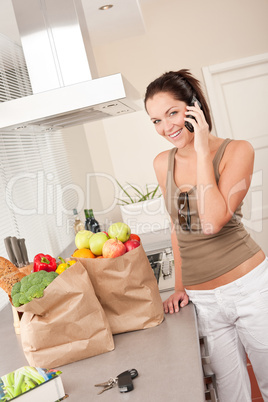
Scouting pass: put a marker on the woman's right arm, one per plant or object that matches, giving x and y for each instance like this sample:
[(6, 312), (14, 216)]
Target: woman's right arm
[(179, 298)]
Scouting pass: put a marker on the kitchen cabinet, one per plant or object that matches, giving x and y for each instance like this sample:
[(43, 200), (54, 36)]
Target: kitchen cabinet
[(167, 358)]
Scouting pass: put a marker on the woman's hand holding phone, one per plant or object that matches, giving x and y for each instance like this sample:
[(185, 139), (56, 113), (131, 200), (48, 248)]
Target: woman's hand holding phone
[(201, 128)]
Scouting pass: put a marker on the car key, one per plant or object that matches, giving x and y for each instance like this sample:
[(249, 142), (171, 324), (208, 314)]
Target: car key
[(124, 380), (107, 385)]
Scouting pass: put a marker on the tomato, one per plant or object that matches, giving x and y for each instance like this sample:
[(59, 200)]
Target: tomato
[(134, 236)]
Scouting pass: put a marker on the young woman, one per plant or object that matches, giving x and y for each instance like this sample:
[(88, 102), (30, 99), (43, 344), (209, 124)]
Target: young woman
[(218, 266)]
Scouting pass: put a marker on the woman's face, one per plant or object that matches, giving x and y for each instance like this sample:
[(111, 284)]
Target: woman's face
[(167, 114)]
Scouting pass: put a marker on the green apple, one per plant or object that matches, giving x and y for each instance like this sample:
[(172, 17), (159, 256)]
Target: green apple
[(96, 242), (119, 230), (82, 238)]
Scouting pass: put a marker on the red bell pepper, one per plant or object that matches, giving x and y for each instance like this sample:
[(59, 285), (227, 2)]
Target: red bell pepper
[(44, 262)]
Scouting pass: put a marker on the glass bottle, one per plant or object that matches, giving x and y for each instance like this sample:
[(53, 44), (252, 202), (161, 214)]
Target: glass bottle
[(78, 225), (91, 223)]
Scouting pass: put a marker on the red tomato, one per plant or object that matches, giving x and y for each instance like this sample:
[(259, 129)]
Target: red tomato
[(134, 237)]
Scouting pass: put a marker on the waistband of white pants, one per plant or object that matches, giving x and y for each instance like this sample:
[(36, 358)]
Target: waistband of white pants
[(246, 280)]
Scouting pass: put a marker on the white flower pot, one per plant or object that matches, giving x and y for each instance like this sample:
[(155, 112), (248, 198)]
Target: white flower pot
[(146, 216)]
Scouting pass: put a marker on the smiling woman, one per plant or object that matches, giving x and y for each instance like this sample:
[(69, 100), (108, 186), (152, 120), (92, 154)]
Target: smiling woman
[(180, 86), (218, 266), (169, 121)]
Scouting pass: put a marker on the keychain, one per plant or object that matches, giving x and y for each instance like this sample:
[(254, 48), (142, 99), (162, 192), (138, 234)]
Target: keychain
[(123, 380)]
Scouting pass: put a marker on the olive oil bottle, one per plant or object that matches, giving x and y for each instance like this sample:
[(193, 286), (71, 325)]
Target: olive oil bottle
[(78, 225)]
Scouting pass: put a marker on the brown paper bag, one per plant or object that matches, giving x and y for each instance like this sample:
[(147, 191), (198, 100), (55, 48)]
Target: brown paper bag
[(65, 325), (127, 290)]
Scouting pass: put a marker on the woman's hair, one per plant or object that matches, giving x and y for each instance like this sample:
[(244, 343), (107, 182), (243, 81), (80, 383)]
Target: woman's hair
[(183, 86)]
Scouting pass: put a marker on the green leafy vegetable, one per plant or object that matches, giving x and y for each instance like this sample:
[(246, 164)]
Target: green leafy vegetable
[(31, 286)]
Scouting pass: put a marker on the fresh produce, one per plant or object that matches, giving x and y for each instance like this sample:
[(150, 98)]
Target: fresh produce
[(44, 262), (83, 253), (31, 286), (64, 265), (134, 236), (96, 242), (113, 248), (120, 231), (82, 238), (23, 379), (131, 244), (99, 245)]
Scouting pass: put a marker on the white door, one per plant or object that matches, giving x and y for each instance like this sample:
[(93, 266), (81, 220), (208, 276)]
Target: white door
[(238, 96)]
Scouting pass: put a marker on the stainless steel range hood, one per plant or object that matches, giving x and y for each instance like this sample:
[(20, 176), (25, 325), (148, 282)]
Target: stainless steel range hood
[(62, 70)]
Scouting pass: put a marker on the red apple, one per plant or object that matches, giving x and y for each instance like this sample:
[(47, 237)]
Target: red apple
[(134, 236), (113, 248), (131, 244)]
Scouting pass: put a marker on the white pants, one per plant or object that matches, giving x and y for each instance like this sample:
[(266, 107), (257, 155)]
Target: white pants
[(234, 318)]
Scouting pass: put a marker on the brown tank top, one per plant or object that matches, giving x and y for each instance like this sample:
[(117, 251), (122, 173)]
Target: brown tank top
[(205, 257)]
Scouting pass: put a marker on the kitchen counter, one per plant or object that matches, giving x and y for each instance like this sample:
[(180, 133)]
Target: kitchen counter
[(167, 358)]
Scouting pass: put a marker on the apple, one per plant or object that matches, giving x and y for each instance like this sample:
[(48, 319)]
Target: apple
[(131, 244), (113, 248), (96, 242), (120, 231), (105, 233), (82, 238), (134, 236)]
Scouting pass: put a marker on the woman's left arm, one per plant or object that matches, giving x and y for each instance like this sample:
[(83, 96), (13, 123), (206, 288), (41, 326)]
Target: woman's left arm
[(217, 203)]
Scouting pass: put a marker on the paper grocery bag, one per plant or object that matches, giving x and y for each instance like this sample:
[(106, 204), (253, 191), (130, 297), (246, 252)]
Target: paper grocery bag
[(127, 290), (65, 325)]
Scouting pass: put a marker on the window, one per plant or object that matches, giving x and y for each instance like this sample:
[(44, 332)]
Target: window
[(37, 196), (36, 186)]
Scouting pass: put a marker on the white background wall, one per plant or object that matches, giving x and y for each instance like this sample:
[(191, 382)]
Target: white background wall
[(178, 35)]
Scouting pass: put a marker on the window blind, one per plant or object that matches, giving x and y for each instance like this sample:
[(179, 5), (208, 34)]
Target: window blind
[(34, 173), (36, 186), (14, 77)]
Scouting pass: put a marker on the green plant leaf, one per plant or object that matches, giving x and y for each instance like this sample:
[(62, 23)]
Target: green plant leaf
[(136, 189), (132, 201), (154, 192), (139, 196), (124, 202)]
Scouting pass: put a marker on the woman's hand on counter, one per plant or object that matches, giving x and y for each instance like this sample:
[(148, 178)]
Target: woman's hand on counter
[(175, 301)]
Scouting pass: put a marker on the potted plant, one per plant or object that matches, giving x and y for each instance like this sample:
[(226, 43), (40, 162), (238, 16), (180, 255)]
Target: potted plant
[(143, 211)]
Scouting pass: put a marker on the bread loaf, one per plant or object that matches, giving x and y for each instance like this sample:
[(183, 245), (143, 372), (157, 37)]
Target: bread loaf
[(7, 281), (6, 267)]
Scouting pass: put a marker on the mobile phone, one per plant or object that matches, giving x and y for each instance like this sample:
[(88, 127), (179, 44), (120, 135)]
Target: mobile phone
[(188, 125)]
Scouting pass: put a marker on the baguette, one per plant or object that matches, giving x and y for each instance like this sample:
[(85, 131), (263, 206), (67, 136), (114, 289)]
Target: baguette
[(6, 267), (7, 281)]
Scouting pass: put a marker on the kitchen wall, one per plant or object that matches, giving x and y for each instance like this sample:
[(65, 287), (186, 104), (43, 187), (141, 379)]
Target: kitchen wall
[(79, 156), (178, 35)]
